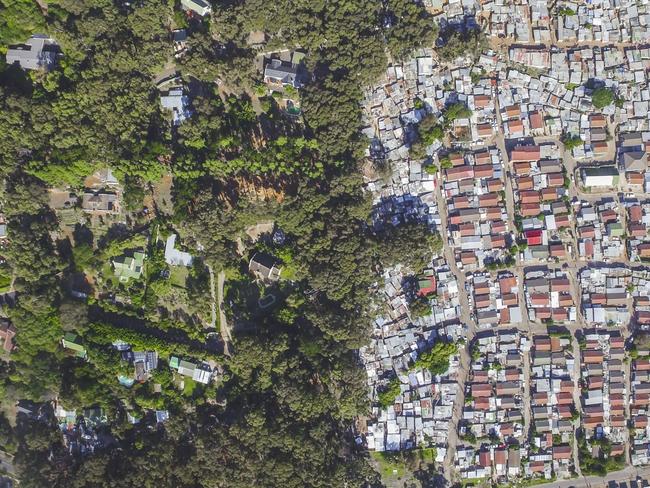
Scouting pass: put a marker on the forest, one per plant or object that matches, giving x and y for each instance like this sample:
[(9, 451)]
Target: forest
[(283, 412)]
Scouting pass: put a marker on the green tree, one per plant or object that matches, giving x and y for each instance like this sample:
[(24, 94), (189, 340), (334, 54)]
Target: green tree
[(602, 97)]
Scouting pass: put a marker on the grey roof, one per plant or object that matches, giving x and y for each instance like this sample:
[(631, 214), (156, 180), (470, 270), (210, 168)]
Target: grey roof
[(264, 266), (178, 103), (38, 52), (175, 257), (200, 7), (281, 72), (180, 35), (550, 166), (99, 201), (635, 161), (598, 134), (631, 139)]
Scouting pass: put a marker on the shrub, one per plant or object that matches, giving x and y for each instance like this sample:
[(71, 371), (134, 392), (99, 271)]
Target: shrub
[(602, 97), (387, 396)]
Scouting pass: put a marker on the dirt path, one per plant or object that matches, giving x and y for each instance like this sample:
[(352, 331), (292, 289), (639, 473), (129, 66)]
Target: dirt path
[(224, 329), (213, 305)]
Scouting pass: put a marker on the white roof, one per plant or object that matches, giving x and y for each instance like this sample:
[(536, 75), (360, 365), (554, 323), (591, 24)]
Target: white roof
[(173, 256)]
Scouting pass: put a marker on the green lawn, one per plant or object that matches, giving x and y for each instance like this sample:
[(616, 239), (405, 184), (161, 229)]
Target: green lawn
[(189, 387), (390, 465), (428, 455), (179, 276), (5, 280)]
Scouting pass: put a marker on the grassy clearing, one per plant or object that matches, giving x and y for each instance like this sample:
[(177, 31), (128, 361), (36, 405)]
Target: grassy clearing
[(5, 280), (390, 465), (179, 276), (189, 387)]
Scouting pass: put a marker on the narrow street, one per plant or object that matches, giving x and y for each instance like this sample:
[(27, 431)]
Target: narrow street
[(465, 318), (576, 397)]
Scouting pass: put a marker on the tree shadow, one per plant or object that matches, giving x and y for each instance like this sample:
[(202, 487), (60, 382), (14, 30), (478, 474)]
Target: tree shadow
[(82, 235), (430, 479), (398, 210)]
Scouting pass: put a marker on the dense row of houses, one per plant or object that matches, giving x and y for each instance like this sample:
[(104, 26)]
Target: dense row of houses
[(421, 413), (494, 407), (548, 296), (605, 294), (477, 219), (604, 392)]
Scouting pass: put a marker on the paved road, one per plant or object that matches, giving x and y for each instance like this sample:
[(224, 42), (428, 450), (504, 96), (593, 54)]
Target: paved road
[(625, 475)]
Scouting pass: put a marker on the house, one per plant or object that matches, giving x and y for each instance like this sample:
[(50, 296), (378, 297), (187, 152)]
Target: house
[(508, 388), (426, 285), (173, 256), (282, 73), (536, 121), (100, 202), (143, 362), (485, 459), (179, 36), (162, 416), (38, 52), (101, 179), (599, 147), (178, 103), (71, 342), (555, 179), (263, 266), (562, 452), (550, 166), (7, 333), (525, 153), (634, 178), (459, 172), (597, 120), (600, 176), (127, 267), (514, 461), (533, 237), (200, 373), (199, 7), (635, 161), (500, 460), (481, 390)]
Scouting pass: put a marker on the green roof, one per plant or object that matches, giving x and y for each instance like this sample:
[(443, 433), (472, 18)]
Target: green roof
[(616, 229), (601, 171), (173, 362), (71, 341), (127, 267)]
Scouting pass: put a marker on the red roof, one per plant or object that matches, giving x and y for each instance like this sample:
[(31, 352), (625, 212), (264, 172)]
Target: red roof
[(562, 452), (500, 456), (484, 459), (460, 172), (533, 237), (635, 212), (536, 120), (529, 209), (525, 153), (536, 466)]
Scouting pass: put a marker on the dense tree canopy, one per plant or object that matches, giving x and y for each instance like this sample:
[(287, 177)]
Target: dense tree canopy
[(281, 412)]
